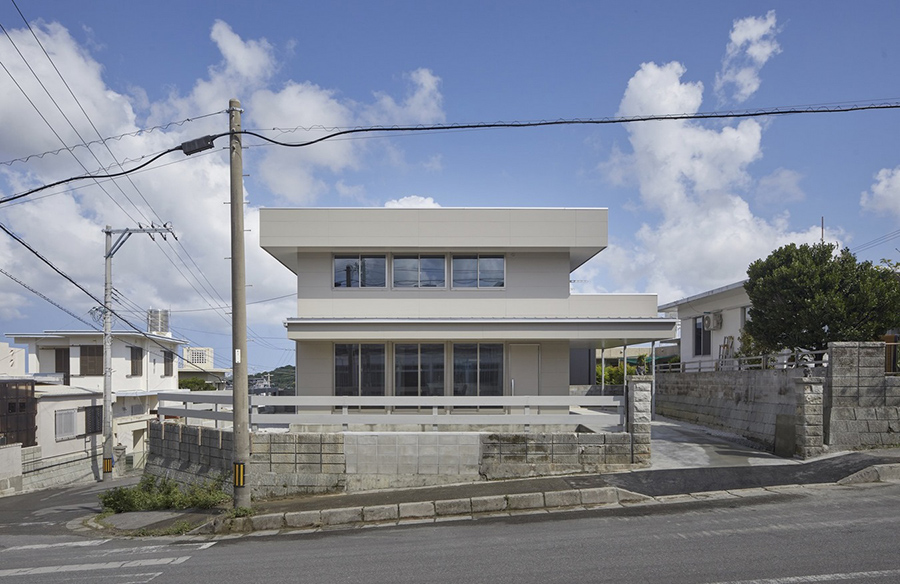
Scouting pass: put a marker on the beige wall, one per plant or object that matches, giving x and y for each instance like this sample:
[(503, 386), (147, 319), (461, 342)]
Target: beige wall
[(537, 285)]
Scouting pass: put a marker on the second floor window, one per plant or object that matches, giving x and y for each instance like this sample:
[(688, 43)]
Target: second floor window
[(359, 271), (419, 271), (137, 361), (168, 363), (90, 361), (479, 271)]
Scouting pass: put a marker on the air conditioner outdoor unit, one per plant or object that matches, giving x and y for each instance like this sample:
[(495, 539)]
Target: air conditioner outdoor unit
[(712, 322)]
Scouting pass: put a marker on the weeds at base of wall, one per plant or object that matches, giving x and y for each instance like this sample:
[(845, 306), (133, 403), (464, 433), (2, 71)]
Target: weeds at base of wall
[(152, 494)]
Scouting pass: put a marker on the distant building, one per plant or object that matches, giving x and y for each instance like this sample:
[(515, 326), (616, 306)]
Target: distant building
[(12, 360), (199, 363), (711, 322)]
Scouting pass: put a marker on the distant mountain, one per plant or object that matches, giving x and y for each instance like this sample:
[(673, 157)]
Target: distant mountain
[(282, 377)]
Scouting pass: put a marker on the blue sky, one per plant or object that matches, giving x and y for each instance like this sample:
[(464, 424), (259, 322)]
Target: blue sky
[(691, 203)]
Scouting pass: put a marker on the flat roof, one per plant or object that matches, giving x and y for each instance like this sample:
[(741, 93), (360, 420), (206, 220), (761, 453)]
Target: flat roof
[(115, 334), (580, 232)]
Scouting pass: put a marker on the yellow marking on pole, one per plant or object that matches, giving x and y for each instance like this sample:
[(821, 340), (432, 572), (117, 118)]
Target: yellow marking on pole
[(238, 474)]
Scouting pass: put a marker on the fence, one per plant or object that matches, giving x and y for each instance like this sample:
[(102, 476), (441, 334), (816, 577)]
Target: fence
[(792, 360), (394, 410)]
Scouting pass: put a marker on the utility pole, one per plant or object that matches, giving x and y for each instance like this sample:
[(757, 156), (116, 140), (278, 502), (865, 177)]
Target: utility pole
[(111, 249), (240, 397)]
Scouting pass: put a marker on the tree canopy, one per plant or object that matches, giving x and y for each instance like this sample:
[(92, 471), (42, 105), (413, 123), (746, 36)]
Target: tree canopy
[(803, 297), (195, 384)]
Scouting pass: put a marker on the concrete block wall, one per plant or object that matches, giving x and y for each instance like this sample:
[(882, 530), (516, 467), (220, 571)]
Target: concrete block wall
[(742, 402), (10, 469), (70, 469), (289, 463), (505, 456), (862, 405), (190, 454), (408, 459)]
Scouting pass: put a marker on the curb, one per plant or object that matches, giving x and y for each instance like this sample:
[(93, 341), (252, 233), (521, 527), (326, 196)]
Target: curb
[(879, 473), (425, 511)]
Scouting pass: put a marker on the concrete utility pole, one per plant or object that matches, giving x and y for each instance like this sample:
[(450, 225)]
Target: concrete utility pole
[(240, 397), (111, 249)]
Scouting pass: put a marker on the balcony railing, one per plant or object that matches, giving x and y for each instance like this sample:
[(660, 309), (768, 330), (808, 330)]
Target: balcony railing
[(394, 410)]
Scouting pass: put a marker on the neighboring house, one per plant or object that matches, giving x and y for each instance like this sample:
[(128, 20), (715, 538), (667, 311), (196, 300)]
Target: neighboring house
[(448, 302), (711, 322), (199, 363), (57, 430), (12, 360), (142, 366)]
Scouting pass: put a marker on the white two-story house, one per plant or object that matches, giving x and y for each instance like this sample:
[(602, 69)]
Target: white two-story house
[(143, 364), (447, 301)]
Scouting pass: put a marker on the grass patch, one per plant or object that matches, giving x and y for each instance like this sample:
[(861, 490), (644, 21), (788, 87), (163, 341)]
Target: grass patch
[(152, 494), (241, 512)]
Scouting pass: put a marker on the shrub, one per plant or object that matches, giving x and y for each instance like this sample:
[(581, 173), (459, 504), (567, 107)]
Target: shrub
[(152, 494)]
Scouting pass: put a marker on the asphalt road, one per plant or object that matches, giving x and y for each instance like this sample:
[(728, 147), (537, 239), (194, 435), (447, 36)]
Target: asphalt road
[(808, 534)]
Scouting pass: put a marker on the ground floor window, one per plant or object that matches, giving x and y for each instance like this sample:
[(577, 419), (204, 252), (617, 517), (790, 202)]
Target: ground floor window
[(359, 369), (478, 369), (419, 369)]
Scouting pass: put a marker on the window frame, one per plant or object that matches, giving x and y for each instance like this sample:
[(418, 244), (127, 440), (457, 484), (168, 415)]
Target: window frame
[(168, 363), (360, 264), (419, 271), (702, 339), (90, 365), (420, 349), (481, 371), (480, 259), (356, 368), (65, 424), (93, 419), (136, 358)]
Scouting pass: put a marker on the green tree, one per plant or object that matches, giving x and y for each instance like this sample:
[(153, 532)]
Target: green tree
[(803, 297), (195, 384)]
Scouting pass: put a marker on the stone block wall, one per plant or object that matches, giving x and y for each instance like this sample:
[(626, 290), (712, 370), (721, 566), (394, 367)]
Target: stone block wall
[(862, 404), (746, 403), (190, 454), (505, 456), (10, 469), (70, 469)]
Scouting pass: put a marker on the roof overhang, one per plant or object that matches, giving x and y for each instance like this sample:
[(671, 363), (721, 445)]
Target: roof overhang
[(586, 332), (579, 232)]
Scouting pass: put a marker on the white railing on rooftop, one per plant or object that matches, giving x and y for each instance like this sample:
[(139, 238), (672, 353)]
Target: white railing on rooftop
[(392, 410)]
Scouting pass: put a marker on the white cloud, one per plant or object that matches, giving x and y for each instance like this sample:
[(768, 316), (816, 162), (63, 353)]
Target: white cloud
[(423, 103), (884, 195), (691, 177), (779, 188), (192, 273), (411, 201), (751, 44)]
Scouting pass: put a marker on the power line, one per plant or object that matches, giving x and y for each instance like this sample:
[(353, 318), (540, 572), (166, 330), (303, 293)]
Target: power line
[(206, 142), (877, 241), (117, 137), (39, 294)]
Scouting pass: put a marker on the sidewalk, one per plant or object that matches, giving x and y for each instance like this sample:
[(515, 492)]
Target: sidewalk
[(688, 462)]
